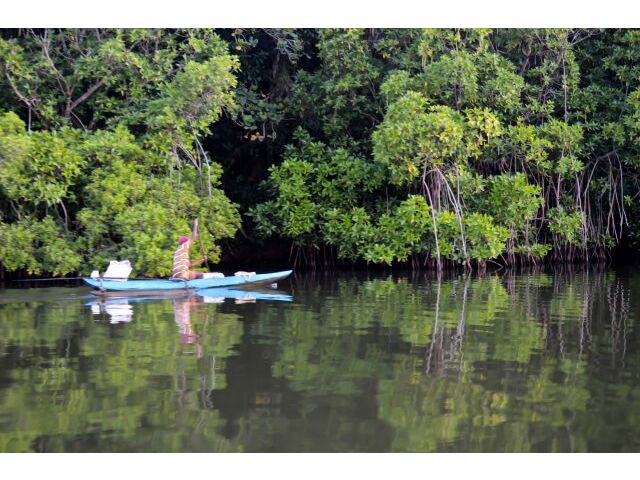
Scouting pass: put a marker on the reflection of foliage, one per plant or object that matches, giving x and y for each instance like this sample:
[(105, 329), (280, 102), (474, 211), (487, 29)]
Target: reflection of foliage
[(459, 361), (84, 377), (539, 362)]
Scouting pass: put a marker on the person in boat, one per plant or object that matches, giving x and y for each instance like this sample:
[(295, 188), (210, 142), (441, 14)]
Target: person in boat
[(181, 263)]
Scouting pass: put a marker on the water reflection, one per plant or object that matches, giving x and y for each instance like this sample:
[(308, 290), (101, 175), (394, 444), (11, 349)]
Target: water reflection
[(554, 314), (218, 295), (495, 363), (501, 362), (118, 310)]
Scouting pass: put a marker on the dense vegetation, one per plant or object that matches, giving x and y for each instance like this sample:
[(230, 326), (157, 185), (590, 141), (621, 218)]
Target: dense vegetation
[(420, 146)]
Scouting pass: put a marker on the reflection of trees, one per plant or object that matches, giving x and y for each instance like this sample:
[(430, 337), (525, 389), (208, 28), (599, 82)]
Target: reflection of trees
[(404, 363), (79, 385), (489, 363)]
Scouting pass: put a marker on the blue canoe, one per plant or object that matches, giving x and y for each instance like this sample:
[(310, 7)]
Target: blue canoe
[(170, 287)]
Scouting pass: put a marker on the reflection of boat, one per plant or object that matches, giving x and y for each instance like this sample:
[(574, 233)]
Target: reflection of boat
[(116, 306), (108, 288), (218, 295)]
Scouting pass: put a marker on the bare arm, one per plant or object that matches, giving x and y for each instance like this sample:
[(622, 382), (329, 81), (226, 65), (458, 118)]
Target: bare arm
[(198, 262)]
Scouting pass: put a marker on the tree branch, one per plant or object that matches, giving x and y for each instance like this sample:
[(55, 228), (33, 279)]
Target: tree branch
[(83, 97), (62, 82), (22, 97)]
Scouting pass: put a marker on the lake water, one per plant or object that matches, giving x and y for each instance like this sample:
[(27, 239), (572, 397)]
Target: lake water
[(330, 362)]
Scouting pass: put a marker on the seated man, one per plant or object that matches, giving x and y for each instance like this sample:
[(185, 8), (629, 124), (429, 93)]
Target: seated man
[(181, 264)]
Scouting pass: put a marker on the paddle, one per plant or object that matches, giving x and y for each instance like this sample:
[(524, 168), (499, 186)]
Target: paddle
[(204, 254)]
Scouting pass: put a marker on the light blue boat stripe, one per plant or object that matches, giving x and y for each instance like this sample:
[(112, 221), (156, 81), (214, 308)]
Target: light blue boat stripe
[(162, 284)]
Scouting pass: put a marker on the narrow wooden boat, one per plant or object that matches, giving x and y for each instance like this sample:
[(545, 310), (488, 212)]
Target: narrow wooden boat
[(135, 287)]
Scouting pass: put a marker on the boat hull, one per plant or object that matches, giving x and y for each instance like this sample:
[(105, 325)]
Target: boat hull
[(179, 287)]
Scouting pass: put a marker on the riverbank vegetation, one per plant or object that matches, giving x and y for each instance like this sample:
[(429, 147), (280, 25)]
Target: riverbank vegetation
[(426, 147)]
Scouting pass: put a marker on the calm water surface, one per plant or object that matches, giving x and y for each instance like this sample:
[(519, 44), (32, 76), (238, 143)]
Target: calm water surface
[(329, 363)]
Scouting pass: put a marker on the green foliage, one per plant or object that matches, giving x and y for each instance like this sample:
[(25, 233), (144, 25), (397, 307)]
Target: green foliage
[(352, 232), (512, 200), (103, 130), (406, 231), (412, 137), (132, 213), (169, 79), (17, 246), (493, 127), (501, 87), (341, 102), (294, 206), (452, 80), (567, 224), (130, 188), (37, 169), (195, 97), (415, 137), (478, 239), (37, 247), (393, 236), (398, 83), (486, 239), (551, 148), (128, 211), (312, 180)]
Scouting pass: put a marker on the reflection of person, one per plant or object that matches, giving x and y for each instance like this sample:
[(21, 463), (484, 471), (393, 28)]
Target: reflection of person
[(181, 263), (182, 315)]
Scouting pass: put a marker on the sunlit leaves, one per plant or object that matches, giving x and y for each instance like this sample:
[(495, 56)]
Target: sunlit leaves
[(37, 246), (567, 223), (393, 236), (38, 168), (195, 98), (413, 136), (475, 237)]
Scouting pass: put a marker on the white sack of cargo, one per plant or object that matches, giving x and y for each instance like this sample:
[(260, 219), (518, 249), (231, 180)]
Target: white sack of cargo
[(118, 270), (213, 275)]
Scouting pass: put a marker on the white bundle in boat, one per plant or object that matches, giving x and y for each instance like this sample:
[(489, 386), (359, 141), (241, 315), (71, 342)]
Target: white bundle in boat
[(213, 275), (118, 270)]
